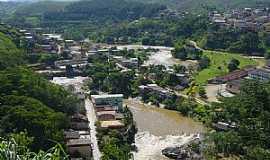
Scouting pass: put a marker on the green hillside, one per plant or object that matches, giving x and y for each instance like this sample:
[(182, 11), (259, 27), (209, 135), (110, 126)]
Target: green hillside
[(38, 8), (104, 10), (7, 8), (10, 55), (28, 102)]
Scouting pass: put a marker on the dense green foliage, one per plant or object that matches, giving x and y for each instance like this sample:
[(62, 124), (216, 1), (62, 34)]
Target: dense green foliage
[(164, 31), (104, 10), (250, 111), (10, 55), (32, 103), (12, 150), (106, 78), (235, 40), (28, 102), (107, 21), (23, 113), (117, 144), (22, 82), (31, 13), (187, 51), (233, 65), (7, 8)]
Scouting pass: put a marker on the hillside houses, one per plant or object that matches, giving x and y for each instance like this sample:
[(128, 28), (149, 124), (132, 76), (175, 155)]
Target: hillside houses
[(261, 74), (233, 81), (77, 136), (246, 19), (109, 110), (238, 74), (154, 89), (234, 86)]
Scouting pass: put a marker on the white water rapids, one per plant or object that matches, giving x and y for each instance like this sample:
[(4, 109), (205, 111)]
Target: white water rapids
[(150, 146), (160, 128)]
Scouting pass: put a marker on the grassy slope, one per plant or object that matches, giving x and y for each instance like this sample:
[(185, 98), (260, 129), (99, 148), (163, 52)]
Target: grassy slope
[(219, 59)]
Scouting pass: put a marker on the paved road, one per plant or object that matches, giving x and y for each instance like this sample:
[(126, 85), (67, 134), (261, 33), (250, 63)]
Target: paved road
[(91, 115)]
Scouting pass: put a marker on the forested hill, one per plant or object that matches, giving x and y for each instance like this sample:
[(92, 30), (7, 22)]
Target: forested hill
[(116, 10), (10, 55), (130, 6), (7, 8), (38, 8), (28, 102)]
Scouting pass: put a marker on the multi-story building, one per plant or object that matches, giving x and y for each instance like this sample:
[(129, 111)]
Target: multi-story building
[(260, 74), (114, 100), (157, 90)]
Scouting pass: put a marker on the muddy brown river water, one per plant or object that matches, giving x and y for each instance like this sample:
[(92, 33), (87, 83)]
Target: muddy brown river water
[(160, 128)]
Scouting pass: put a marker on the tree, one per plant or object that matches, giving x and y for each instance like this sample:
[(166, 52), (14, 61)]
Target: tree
[(171, 80), (184, 108), (23, 140), (27, 114), (180, 53), (250, 42), (170, 104), (257, 153), (179, 69), (204, 62), (10, 55), (9, 150), (226, 142), (23, 82), (112, 152), (250, 111), (69, 71), (48, 59), (146, 41), (202, 92), (121, 82), (233, 65)]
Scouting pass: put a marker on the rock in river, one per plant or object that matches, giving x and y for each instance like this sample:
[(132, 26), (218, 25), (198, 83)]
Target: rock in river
[(190, 151)]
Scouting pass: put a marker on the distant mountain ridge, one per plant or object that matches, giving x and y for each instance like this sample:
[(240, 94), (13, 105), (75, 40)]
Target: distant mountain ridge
[(34, 11), (184, 5)]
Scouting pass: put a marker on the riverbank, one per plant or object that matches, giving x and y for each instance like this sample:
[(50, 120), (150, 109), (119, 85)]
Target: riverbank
[(160, 128)]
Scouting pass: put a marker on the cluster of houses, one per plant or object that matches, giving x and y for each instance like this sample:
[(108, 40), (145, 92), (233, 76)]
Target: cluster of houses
[(77, 136), (73, 55), (124, 63), (154, 89), (235, 79), (247, 18), (108, 110)]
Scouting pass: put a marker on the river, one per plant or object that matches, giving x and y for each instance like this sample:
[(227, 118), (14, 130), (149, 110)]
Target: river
[(162, 57), (157, 128), (160, 128)]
